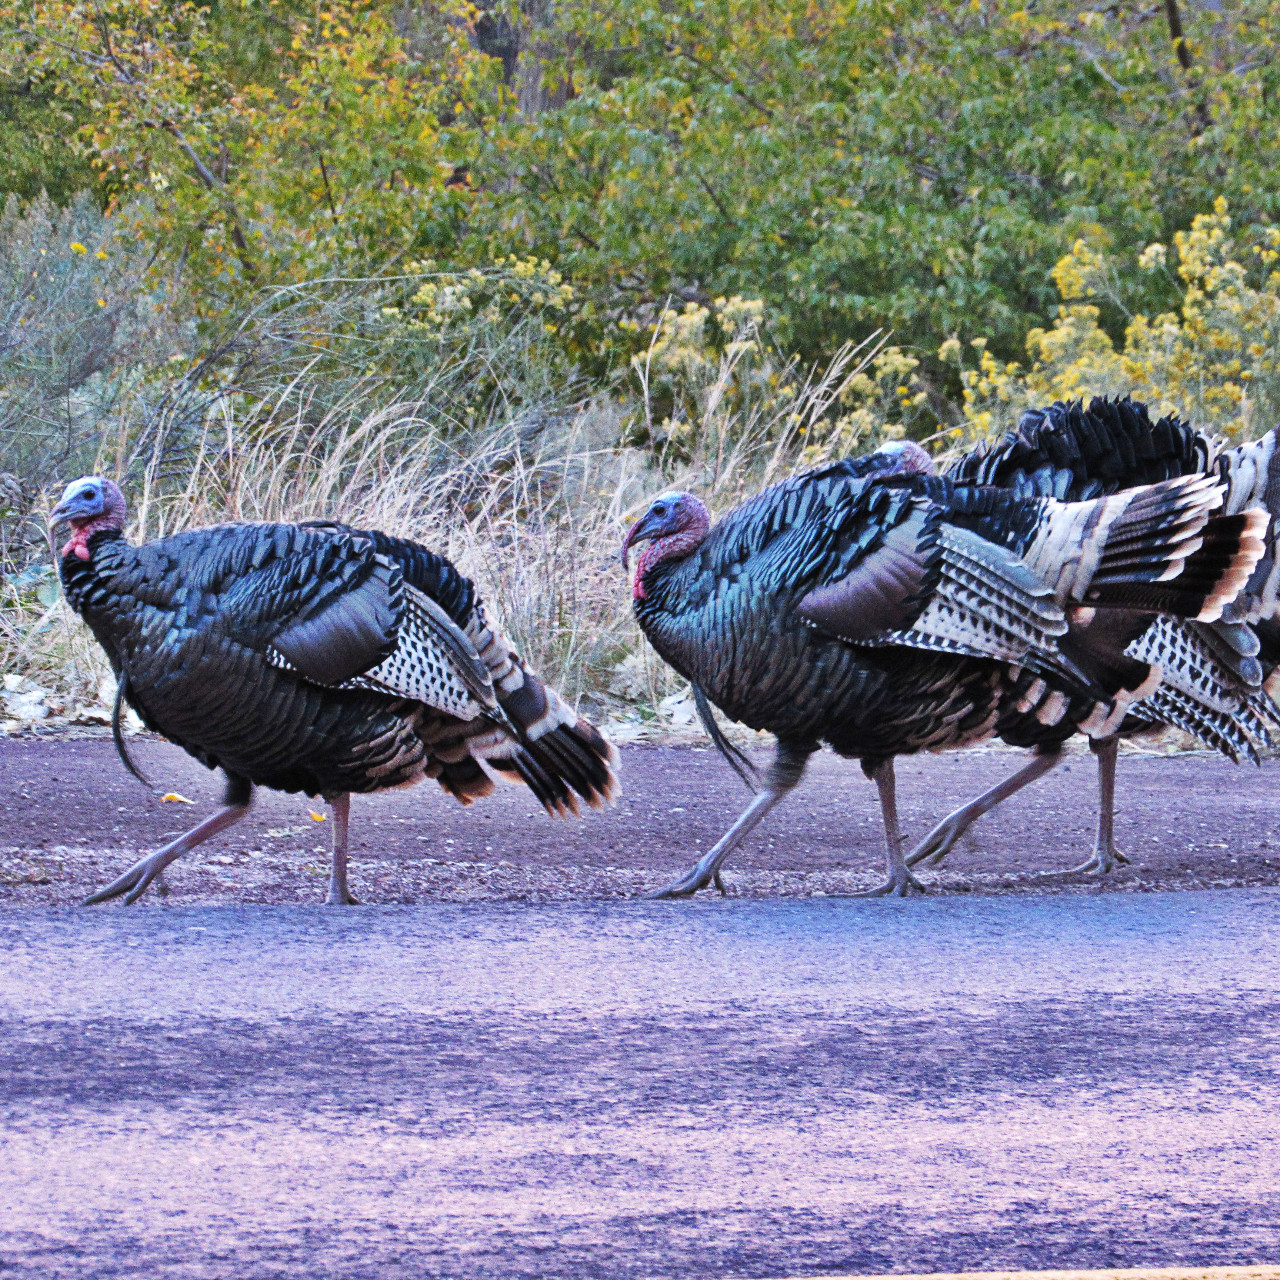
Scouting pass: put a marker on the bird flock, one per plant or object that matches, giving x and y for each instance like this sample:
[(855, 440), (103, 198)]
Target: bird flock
[(1092, 572)]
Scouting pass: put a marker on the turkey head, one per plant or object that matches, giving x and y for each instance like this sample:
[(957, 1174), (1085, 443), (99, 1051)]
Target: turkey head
[(674, 525), (90, 505)]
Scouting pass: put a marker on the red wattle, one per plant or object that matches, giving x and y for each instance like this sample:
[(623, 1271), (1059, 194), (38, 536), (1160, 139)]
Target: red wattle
[(77, 544)]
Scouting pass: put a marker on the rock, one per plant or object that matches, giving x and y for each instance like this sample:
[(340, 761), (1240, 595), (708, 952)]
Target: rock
[(24, 700), (679, 708)]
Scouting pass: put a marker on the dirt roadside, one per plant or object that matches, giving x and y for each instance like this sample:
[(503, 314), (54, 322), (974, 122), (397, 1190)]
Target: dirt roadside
[(72, 820)]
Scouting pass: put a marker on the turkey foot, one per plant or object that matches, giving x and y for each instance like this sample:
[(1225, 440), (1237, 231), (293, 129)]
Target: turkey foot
[(1103, 861), (1105, 853), (783, 774), (940, 841), (700, 876), (133, 884), (706, 871), (339, 890), (900, 882)]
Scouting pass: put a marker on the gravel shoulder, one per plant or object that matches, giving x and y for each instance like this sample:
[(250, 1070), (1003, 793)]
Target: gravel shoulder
[(73, 819)]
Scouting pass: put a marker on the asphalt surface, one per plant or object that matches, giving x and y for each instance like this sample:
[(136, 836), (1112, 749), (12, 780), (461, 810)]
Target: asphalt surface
[(618, 1090)]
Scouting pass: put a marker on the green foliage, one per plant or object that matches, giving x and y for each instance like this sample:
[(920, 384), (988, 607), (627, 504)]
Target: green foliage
[(1215, 359), (913, 164), (34, 155), (77, 329), (263, 143)]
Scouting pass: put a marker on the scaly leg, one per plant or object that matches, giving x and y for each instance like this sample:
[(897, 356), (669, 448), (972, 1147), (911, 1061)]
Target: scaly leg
[(940, 841), (783, 774), (1105, 853), (134, 882), (900, 881), (339, 892)]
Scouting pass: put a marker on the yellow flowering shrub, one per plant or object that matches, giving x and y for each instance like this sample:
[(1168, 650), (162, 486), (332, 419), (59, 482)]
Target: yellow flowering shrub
[(440, 300), (1215, 361)]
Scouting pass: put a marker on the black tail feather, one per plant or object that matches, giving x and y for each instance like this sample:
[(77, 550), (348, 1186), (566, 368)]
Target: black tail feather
[(1209, 578), (117, 734), (549, 791), (586, 773), (737, 759)]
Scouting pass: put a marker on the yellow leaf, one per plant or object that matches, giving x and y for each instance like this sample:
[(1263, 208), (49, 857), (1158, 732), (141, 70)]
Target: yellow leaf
[(316, 817), (77, 247), (174, 798)]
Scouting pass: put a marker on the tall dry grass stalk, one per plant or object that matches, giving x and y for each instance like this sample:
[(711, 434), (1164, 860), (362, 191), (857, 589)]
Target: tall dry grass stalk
[(536, 517)]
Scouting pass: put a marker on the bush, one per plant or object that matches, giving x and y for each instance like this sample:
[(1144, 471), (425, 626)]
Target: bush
[(78, 327), (1215, 360)]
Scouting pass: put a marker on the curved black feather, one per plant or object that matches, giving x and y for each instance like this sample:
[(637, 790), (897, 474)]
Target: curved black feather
[(117, 734), (737, 759)]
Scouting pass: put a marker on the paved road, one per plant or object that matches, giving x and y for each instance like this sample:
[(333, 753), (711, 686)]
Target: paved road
[(611, 1090)]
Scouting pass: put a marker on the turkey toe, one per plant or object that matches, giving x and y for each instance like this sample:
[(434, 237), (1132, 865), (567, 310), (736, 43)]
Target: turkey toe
[(896, 886), (1102, 863), (122, 885), (699, 877)]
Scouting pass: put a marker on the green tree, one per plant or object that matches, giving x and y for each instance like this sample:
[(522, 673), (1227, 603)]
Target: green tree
[(268, 142), (908, 163)]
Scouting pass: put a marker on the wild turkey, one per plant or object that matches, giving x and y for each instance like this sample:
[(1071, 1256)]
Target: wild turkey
[(885, 612), (316, 658), (1212, 673)]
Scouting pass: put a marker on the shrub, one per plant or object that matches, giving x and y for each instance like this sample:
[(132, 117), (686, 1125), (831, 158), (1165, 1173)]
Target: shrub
[(1215, 360)]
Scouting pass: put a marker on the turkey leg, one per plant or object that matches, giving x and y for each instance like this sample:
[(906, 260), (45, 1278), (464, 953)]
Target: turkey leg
[(940, 841), (339, 892), (900, 881), (786, 770), (134, 882), (1105, 853)]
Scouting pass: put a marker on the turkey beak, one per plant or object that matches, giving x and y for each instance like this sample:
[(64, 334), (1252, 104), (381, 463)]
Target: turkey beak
[(639, 532), (58, 515)]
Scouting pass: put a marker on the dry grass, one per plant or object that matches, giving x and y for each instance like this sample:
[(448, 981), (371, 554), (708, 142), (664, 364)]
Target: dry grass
[(535, 514)]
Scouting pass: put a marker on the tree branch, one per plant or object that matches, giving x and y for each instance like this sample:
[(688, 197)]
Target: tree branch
[(725, 79), (1176, 34), (205, 174), (715, 199), (328, 191)]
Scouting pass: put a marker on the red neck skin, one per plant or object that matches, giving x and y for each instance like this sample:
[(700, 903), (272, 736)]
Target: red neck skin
[(673, 547), (111, 518)]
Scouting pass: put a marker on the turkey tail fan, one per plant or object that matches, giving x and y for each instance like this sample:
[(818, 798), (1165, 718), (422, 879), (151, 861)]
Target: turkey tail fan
[(1251, 473), (566, 755), (562, 757), (550, 791), (1073, 453), (580, 756), (1217, 565), (117, 735), (1156, 549), (736, 758)]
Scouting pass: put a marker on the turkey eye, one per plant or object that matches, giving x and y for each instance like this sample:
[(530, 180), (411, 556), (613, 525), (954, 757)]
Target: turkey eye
[(659, 511), (87, 494)]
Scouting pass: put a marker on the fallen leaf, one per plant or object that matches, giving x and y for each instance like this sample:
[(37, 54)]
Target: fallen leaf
[(174, 798), (316, 817)]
